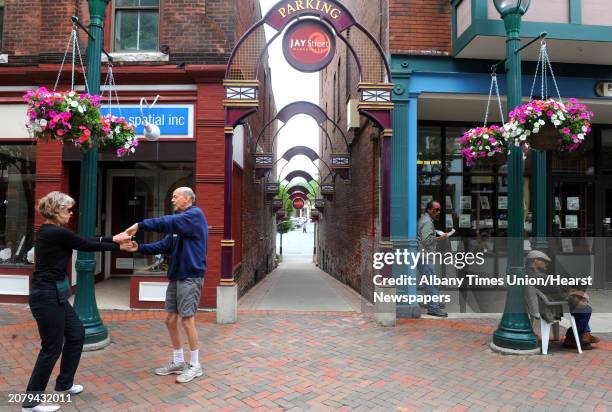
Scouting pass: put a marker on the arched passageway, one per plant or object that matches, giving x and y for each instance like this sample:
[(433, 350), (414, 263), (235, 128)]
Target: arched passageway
[(312, 34)]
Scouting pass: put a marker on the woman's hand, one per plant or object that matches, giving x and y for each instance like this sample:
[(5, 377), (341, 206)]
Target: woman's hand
[(122, 237)]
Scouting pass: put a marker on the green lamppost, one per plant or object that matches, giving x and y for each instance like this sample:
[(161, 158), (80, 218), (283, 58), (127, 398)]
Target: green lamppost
[(514, 332), (96, 334)]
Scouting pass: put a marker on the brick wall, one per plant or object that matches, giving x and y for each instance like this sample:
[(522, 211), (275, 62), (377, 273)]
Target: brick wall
[(198, 26), (349, 226), (21, 27), (258, 230), (420, 27), (193, 32)]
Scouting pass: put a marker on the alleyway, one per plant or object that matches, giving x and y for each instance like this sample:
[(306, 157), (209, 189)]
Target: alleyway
[(297, 284)]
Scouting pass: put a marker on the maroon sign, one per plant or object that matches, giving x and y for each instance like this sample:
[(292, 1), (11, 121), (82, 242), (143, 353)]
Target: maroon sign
[(309, 46), (298, 203)]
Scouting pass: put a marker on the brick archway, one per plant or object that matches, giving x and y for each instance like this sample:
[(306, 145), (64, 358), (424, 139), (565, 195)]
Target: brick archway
[(242, 82)]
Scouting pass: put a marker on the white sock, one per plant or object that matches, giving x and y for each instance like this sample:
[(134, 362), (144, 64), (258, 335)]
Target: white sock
[(177, 356), (194, 361)]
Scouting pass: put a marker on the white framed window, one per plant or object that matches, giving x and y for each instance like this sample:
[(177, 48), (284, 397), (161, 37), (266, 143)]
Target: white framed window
[(136, 25)]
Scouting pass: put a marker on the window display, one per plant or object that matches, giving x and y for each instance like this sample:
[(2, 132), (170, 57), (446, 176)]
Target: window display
[(573, 214), (17, 177)]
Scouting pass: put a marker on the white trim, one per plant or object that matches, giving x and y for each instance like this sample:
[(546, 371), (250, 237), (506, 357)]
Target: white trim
[(15, 285), (125, 87), (3, 58), (152, 291), (139, 56)]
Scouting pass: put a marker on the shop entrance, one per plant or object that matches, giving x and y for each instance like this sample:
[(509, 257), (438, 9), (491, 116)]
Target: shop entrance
[(129, 198)]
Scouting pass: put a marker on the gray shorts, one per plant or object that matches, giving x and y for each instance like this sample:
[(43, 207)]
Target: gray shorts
[(183, 296)]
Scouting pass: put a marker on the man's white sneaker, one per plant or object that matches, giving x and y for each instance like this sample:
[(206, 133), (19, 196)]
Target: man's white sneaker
[(172, 367), (42, 408), (74, 390), (190, 373)]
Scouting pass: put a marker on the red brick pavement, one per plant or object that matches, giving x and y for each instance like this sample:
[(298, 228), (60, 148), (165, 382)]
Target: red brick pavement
[(315, 361)]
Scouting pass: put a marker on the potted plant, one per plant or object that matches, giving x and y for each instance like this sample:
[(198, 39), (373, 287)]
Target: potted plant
[(484, 144), (64, 116), (117, 134), (549, 125)]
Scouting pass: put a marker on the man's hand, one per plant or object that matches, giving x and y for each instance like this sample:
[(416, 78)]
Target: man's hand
[(130, 246), (122, 238), (132, 229)]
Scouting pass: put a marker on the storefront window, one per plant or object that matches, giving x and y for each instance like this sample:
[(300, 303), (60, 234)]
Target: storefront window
[(573, 209), (17, 176), (581, 161), (429, 146), (454, 160), (429, 189), (606, 150)]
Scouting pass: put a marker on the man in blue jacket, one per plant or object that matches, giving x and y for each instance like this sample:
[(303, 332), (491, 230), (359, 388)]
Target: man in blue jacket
[(187, 241)]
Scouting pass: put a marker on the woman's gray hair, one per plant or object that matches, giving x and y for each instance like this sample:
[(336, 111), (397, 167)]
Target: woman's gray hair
[(188, 193), (51, 205)]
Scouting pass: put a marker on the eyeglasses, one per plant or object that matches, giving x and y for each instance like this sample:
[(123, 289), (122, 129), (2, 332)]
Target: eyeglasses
[(437, 209)]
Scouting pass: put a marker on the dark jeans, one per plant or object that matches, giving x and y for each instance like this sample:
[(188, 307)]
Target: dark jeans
[(61, 333), (582, 316)]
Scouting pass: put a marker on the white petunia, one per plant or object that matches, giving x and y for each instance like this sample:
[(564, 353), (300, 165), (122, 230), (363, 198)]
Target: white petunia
[(43, 122), (542, 122), (73, 103), (81, 109), (556, 123), (584, 129)]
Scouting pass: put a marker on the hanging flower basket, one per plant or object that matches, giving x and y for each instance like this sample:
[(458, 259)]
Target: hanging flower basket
[(63, 116), (549, 125), (117, 134), (484, 144)]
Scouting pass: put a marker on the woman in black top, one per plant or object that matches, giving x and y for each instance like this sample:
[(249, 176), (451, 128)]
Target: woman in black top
[(60, 329)]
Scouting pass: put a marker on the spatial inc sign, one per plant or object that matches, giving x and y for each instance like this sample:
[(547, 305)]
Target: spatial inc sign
[(174, 120)]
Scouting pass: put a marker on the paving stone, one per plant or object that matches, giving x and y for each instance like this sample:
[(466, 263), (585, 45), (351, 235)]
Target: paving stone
[(315, 361)]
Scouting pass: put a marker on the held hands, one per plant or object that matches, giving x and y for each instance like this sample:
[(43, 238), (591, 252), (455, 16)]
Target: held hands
[(130, 246), (122, 237)]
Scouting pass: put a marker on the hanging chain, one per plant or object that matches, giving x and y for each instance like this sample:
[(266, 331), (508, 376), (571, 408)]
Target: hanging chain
[(501, 111), (74, 42), (552, 74), (545, 67), (112, 87)]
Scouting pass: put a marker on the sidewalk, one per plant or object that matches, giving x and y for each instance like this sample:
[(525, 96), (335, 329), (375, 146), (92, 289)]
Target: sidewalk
[(315, 361), (301, 343)]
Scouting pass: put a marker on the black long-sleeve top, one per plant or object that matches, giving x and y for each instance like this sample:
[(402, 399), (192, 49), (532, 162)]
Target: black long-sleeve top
[(53, 250)]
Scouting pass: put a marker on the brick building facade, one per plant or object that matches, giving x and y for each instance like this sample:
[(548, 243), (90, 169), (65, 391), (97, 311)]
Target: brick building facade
[(180, 54), (441, 54)]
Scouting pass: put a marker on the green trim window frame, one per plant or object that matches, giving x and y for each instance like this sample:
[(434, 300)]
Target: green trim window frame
[(136, 25)]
